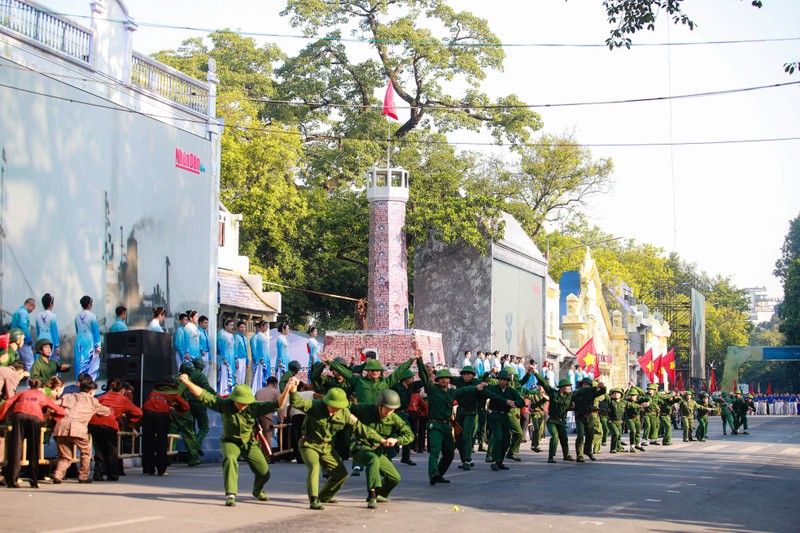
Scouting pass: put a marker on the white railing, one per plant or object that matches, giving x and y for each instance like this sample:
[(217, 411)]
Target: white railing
[(169, 83), (35, 22)]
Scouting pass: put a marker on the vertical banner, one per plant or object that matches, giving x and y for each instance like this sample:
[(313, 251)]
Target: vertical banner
[(698, 335)]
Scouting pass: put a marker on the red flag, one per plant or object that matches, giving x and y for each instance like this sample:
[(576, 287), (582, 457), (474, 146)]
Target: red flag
[(657, 366), (587, 359), (752, 389), (735, 386), (769, 387), (646, 362), (389, 107), (668, 364), (712, 383)]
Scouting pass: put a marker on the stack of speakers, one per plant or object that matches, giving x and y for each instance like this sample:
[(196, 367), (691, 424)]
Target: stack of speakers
[(140, 357)]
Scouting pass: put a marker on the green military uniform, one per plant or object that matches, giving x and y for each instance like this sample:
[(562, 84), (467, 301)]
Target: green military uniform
[(440, 412), (703, 408), (500, 414), (382, 476), (740, 410), (559, 407), (322, 384), (601, 430), (652, 414), (467, 417), (688, 405), (183, 422), (196, 408), (9, 355), (538, 401), (365, 389), (318, 431), (725, 414), (514, 426), (616, 411), (587, 418), (294, 368), (238, 438), (633, 410), (44, 370), (665, 403), (405, 394)]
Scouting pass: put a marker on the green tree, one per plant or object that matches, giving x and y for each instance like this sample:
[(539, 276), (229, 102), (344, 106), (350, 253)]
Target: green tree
[(767, 333), (790, 251), (790, 308)]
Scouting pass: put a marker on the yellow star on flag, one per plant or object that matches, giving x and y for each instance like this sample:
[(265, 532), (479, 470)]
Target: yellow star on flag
[(589, 359)]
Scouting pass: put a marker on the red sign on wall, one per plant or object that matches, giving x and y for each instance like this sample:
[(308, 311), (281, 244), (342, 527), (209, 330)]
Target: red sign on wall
[(188, 161)]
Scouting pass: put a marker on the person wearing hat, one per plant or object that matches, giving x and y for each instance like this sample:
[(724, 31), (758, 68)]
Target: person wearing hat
[(651, 415), (198, 409), (367, 388), (44, 367), (466, 416), (323, 383), (687, 408), (725, 412), (538, 399), (16, 339), (406, 389), (703, 408), (239, 413), (561, 398), (665, 403), (741, 407), (616, 411), (294, 369), (382, 476), (587, 417), (503, 399), (440, 414), (633, 411), (324, 419)]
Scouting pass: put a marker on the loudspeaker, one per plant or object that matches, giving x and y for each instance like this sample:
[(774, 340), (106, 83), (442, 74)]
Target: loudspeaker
[(138, 342), (141, 371)]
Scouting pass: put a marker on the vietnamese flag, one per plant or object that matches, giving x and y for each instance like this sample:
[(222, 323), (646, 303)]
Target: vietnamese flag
[(668, 364), (646, 362), (389, 107), (712, 383), (587, 359), (769, 387), (735, 386), (657, 366)]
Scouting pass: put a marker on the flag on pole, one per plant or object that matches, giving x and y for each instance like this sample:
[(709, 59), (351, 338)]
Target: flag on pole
[(735, 386), (646, 362), (712, 383), (657, 366), (587, 359), (769, 387), (668, 364), (389, 107)]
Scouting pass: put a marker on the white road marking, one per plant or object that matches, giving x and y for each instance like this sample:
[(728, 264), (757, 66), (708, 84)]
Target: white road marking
[(591, 523), (652, 500), (715, 447), (619, 507), (757, 448), (790, 451), (105, 525), (674, 491)]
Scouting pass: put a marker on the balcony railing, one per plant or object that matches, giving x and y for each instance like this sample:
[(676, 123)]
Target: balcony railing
[(36, 23), (169, 83)]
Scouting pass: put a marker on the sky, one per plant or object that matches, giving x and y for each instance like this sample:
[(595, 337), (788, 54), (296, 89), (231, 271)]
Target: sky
[(725, 207)]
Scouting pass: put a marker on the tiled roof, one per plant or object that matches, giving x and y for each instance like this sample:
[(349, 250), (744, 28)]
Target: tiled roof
[(235, 292)]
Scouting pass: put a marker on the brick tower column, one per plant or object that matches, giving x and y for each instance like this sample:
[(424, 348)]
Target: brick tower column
[(387, 193)]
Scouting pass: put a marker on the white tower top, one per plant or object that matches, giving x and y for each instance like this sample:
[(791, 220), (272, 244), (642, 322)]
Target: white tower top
[(387, 184)]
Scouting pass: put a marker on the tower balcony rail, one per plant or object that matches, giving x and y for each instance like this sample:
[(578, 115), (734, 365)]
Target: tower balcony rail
[(168, 83), (37, 23)]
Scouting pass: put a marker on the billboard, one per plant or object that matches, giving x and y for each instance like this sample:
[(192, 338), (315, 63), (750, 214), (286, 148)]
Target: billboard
[(517, 311), (698, 335)]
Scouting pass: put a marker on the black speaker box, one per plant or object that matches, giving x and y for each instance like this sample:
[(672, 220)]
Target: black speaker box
[(141, 371), (138, 342)]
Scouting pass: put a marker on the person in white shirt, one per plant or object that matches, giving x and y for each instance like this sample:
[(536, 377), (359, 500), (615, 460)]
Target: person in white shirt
[(466, 361)]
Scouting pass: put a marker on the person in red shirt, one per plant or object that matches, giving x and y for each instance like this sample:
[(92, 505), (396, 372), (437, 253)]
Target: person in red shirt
[(104, 430), (419, 406), (25, 411), (155, 424)]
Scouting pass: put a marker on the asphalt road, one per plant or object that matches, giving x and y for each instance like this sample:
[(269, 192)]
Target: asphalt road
[(729, 483)]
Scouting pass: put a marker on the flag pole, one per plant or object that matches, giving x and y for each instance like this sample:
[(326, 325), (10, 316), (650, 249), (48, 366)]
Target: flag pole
[(388, 143)]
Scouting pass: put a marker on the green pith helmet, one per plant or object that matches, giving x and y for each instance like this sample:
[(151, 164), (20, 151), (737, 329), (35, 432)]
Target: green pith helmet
[(704, 394), (617, 389), (503, 374), (373, 364), (469, 370), (652, 386), (295, 366), (738, 393), (336, 397), (187, 367), (750, 396), (199, 363), (633, 392), (408, 374), (586, 381), (41, 343), (690, 392), (565, 382), (15, 334), (340, 361), (443, 373), (242, 394), (389, 398)]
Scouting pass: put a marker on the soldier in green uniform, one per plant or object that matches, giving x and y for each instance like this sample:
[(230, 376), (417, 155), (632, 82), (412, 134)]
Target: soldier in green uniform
[(503, 399), (560, 401), (514, 426), (467, 416), (688, 405), (740, 410), (183, 422), (703, 408), (632, 410), (16, 338), (665, 403), (325, 418), (616, 411), (45, 368), (322, 384), (601, 437), (239, 412), (586, 417), (294, 368), (440, 412), (538, 400), (382, 476), (405, 389), (651, 413), (725, 410), (196, 407)]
